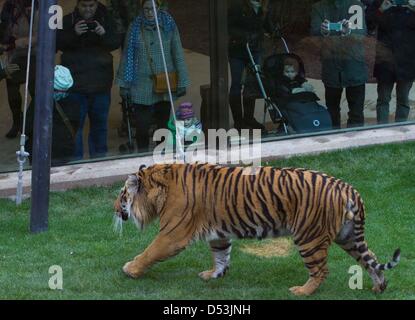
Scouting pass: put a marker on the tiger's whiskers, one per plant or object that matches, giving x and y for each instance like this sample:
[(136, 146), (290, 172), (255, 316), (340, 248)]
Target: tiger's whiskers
[(117, 225)]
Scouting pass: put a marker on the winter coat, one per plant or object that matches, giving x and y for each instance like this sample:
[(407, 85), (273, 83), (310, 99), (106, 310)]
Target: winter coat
[(395, 50), (141, 92), (88, 56), (286, 85), (244, 24), (15, 25), (342, 57)]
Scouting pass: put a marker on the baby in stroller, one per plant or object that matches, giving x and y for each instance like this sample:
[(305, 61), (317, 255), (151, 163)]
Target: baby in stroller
[(294, 95), (291, 80)]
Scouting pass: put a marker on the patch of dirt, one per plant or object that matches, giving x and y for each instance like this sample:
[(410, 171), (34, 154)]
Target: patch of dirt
[(280, 247)]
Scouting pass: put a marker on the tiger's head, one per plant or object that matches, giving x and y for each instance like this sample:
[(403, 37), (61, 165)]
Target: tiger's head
[(142, 197)]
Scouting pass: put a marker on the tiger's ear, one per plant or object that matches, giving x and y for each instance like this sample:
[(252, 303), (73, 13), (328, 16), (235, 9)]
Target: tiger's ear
[(160, 179), (133, 184), (162, 176)]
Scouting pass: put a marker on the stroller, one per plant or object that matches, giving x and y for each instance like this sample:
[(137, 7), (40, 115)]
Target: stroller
[(304, 115), (129, 146)]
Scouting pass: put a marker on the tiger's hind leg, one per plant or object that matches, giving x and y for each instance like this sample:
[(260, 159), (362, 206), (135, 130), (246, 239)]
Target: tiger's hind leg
[(221, 252), (378, 279), (315, 259)]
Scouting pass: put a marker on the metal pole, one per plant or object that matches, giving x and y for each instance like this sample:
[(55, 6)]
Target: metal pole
[(219, 109), (42, 130)]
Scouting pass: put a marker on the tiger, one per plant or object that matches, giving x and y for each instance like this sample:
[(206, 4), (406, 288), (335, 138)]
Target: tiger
[(216, 204)]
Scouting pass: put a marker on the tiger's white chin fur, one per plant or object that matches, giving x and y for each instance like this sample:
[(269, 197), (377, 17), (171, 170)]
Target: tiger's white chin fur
[(139, 224), (117, 224)]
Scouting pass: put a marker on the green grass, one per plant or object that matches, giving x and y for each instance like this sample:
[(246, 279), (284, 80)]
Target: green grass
[(81, 241)]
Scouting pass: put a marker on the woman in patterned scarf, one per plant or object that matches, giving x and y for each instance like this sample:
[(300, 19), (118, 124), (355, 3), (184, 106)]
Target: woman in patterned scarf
[(141, 60)]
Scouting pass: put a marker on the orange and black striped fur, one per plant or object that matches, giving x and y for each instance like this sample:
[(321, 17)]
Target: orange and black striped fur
[(215, 203)]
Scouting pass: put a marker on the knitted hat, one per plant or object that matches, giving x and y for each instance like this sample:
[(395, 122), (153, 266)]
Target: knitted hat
[(158, 2), (185, 111), (63, 82)]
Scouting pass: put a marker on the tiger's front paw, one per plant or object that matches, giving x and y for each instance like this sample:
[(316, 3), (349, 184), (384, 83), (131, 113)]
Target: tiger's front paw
[(207, 275), (131, 270), (212, 274), (300, 291)]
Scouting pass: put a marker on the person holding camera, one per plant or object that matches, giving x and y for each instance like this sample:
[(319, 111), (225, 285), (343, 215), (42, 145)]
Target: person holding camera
[(7, 69), (87, 39), (395, 52), (14, 43), (247, 21), (342, 57), (141, 74)]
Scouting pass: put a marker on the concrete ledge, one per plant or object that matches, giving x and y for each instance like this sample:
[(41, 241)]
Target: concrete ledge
[(112, 171)]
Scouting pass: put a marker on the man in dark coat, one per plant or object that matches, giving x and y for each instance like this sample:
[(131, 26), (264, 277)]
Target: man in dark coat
[(86, 41), (247, 20), (395, 54), (342, 58)]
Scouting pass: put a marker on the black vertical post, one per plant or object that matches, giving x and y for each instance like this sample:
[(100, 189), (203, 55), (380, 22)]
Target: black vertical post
[(218, 108), (45, 63)]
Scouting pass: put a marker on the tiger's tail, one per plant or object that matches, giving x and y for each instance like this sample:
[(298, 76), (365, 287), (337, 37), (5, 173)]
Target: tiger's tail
[(367, 257)]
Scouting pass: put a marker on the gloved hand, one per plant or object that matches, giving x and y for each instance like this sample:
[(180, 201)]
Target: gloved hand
[(181, 92)]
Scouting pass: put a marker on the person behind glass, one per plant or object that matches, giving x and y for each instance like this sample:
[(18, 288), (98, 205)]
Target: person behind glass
[(246, 21), (342, 58), (291, 82), (7, 69), (14, 42), (395, 54), (142, 59), (123, 12), (86, 42)]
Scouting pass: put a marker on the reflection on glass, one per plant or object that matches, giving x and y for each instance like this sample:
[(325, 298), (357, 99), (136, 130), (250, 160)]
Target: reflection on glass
[(141, 75), (322, 65), (339, 42), (395, 23), (86, 41), (14, 44)]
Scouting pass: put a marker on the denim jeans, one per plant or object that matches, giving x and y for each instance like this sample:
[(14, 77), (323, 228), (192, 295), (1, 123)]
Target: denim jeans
[(96, 107), (402, 101)]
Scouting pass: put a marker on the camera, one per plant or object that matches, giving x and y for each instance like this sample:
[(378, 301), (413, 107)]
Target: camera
[(335, 26), (91, 25)]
